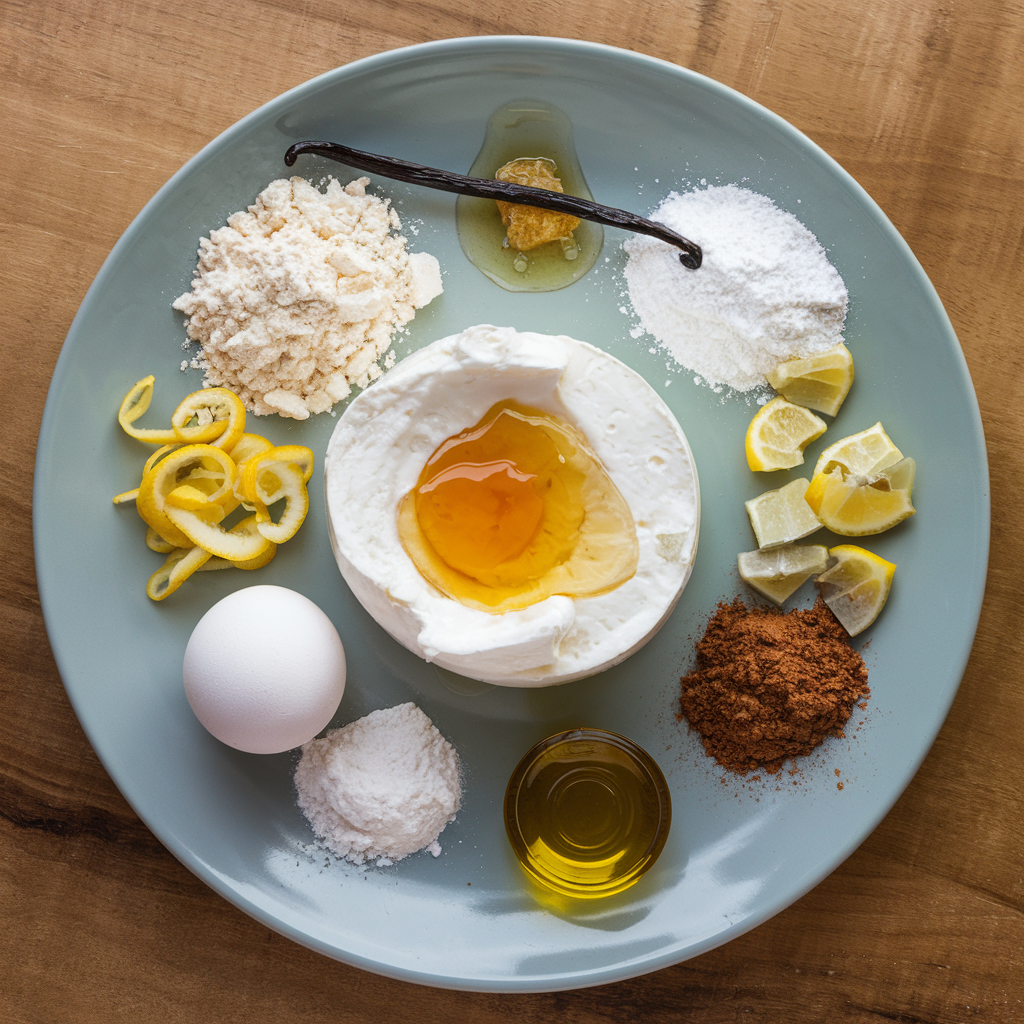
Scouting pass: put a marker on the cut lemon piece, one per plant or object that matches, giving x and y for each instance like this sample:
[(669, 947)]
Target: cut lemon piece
[(219, 415), (856, 506), (856, 587), (819, 382), (180, 564), (863, 453), (778, 435), (782, 516), (135, 404), (779, 572)]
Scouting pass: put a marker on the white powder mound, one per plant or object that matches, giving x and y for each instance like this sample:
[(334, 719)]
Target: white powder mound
[(380, 788), (766, 291), (298, 297)]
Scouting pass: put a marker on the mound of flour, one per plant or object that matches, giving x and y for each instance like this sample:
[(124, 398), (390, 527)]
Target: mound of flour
[(296, 299), (380, 788), (766, 291)]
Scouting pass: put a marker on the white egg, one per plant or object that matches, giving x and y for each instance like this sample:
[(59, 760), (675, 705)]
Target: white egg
[(387, 433), (264, 670)]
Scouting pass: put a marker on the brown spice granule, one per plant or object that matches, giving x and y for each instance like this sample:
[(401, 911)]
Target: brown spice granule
[(771, 685)]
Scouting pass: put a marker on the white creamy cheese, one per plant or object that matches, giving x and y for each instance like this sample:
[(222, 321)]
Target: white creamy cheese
[(384, 438)]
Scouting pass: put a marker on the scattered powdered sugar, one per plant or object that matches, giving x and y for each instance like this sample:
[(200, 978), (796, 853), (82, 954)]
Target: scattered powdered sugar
[(380, 788), (765, 292), (296, 299)]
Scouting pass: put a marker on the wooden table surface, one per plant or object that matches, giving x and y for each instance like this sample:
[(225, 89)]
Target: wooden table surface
[(921, 100)]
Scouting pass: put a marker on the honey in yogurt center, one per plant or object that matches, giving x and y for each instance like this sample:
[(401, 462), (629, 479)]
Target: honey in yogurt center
[(517, 508)]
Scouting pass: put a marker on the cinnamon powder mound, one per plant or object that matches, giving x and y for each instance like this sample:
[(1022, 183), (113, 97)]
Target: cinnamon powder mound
[(771, 685)]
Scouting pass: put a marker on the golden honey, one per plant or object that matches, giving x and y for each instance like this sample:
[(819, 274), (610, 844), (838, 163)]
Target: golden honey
[(515, 509), (587, 813), (520, 132)]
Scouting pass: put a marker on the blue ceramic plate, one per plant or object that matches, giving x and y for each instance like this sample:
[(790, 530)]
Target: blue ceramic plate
[(740, 850)]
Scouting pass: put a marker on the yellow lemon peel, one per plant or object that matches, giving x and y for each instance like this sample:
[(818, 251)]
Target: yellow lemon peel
[(289, 485), (134, 406), (156, 543), (219, 416), (205, 468), (246, 527), (214, 538), (180, 564), (158, 455)]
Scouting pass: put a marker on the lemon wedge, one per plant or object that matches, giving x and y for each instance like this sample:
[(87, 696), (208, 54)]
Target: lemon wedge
[(782, 516), (819, 382), (779, 572), (863, 453), (853, 505), (856, 587), (778, 435)]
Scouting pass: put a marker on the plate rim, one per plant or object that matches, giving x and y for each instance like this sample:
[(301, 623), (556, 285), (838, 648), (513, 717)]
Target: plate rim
[(46, 439)]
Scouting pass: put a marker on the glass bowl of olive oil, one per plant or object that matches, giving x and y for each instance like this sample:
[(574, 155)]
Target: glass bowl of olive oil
[(587, 812)]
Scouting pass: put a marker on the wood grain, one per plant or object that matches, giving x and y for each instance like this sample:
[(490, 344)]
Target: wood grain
[(920, 100)]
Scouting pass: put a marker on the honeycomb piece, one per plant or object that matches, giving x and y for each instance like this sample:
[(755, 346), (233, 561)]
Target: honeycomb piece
[(528, 226)]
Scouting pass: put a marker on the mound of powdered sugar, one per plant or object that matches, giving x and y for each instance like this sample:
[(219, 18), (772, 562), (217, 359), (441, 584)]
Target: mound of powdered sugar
[(380, 788), (296, 299), (765, 292)]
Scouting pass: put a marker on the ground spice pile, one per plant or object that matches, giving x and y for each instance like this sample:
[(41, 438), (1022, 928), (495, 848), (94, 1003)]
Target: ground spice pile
[(771, 685)]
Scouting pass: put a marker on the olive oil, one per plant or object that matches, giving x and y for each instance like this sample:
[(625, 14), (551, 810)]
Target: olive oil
[(587, 813), (527, 129)]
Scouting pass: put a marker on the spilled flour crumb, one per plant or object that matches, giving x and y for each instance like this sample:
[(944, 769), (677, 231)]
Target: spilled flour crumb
[(297, 298)]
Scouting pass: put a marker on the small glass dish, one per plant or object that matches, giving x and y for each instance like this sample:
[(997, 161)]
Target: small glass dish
[(587, 812)]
